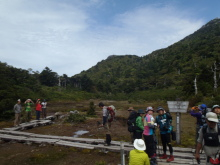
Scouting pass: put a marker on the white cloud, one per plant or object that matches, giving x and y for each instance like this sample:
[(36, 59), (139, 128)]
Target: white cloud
[(66, 38)]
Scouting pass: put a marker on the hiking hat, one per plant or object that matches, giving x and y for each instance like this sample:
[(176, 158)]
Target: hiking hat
[(159, 108), (210, 116), (149, 109), (215, 106), (141, 111), (139, 144), (130, 109)]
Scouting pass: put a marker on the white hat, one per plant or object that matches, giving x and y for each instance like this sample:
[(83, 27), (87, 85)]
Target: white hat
[(210, 116), (139, 144), (19, 99)]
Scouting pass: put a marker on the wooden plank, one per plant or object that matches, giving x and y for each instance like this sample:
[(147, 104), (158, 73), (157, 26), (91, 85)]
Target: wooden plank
[(74, 144), (41, 140), (10, 137)]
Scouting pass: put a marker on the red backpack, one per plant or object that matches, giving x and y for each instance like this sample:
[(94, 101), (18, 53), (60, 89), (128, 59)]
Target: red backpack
[(111, 113)]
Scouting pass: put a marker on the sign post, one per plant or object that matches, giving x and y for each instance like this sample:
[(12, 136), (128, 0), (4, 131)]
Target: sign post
[(178, 107)]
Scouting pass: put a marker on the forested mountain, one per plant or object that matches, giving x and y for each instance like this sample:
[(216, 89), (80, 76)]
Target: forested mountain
[(186, 65), (189, 69)]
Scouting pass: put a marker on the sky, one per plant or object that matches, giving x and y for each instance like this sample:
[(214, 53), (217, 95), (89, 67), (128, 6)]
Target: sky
[(70, 36)]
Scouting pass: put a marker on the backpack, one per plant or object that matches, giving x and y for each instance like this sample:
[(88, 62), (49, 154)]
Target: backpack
[(131, 122), (111, 113), (210, 139)]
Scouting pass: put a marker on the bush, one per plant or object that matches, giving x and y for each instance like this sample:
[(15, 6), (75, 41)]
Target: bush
[(91, 111), (76, 118)]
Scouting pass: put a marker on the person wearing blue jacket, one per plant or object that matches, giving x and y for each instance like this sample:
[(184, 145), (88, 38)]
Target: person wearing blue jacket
[(163, 121)]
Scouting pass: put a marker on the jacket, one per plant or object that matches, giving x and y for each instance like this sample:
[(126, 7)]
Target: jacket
[(139, 123), (137, 157)]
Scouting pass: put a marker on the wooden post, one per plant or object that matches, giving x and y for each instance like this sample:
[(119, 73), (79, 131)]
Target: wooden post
[(178, 127), (122, 153)]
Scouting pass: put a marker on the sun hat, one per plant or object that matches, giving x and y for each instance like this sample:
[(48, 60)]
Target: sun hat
[(130, 109), (139, 144), (159, 108), (141, 111), (210, 116), (149, 109)]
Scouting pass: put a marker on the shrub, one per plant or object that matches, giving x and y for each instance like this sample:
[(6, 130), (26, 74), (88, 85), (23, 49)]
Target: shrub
[(76, 118)]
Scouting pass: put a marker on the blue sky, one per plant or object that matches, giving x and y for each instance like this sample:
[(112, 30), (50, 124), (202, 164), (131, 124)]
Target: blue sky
[(70, 36)]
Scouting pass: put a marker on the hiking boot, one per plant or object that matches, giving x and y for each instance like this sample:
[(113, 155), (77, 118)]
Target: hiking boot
[(171, 158), (164, 156)]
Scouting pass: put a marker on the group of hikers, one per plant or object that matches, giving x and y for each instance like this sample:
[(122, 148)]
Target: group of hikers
[(207, 132), (142, 125), (40, 107)]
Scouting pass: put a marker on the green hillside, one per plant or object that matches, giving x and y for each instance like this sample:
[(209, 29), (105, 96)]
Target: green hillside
[(165, 74), (174, 67)]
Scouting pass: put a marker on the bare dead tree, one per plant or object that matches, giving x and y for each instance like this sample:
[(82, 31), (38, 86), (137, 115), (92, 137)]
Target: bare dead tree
[(195, 86), (214, 70)]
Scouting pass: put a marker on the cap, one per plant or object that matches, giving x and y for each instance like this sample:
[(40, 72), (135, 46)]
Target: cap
[(19, 99), (130, 109), (139, 144), (210, 116)]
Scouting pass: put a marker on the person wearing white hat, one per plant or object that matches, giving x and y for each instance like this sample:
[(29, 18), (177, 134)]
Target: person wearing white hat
[(17, 110), (138, 156), (149, 133), (210, 133)]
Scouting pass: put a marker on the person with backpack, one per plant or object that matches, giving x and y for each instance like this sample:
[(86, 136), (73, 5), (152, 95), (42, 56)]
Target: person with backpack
[(131, 122), (139, 125), (163, 121), (149, 131), (199, 113), (105, 123), (210, 134)]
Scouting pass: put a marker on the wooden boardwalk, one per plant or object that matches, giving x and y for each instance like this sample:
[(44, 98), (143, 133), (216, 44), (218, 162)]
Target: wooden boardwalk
[(182, 156)]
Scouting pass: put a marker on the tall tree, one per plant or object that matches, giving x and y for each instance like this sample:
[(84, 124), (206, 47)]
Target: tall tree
[(48, 77)]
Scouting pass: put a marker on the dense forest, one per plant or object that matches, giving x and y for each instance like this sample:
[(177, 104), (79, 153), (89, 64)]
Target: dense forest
[(188, 70)]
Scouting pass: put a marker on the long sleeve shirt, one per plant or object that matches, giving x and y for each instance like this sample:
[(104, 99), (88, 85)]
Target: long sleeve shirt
[(17, 108)]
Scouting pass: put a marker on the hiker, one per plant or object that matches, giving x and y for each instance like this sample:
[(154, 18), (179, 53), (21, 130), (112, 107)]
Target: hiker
[(38, 109), (149, 131), (199, 113), (28, 103), (216, 109), (210, 134), (163, 121), (137, 156), (139, 124), (105, 123), (131, 120), (44, 109), (17, 110)]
